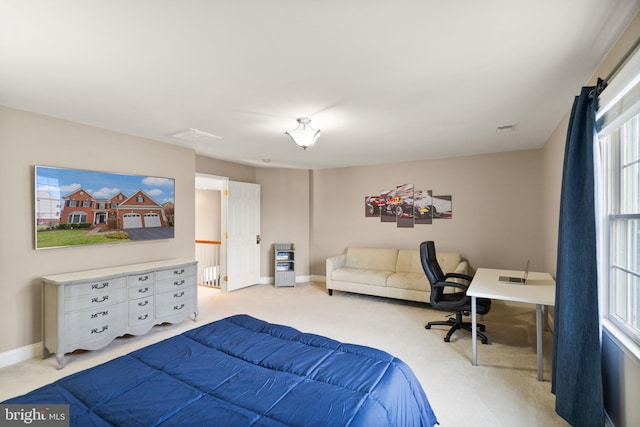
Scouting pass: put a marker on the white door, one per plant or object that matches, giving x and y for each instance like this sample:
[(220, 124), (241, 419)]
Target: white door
[(243, 235), (131, 220)]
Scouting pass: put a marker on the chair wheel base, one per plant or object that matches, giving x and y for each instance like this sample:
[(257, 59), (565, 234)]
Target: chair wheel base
[(455, 325)]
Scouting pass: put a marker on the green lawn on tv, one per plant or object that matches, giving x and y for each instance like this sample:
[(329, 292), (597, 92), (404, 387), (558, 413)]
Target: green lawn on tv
[(49, 239)]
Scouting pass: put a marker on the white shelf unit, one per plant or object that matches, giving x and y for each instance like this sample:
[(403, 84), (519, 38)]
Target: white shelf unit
[(284, 264)]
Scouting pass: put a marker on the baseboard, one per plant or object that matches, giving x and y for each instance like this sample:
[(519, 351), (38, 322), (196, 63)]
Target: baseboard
[(299, 279), (316, 278), (20, 354)]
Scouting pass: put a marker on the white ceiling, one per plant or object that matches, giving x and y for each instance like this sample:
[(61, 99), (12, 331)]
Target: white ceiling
[(385, 81)]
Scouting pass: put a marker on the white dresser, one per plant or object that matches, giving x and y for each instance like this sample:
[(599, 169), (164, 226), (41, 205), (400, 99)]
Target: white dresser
[(88, 309)]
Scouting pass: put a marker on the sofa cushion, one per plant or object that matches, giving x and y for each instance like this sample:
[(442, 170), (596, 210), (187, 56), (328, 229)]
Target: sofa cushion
[(406, 280), (409, 261), (372, 259), (361, 275)]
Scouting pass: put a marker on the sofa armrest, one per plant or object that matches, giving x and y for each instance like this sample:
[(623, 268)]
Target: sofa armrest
[(462, 268), (334, 263)]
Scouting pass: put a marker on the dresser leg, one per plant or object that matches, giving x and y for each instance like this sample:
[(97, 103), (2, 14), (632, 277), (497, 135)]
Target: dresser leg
[(60, 359), (195, 316)]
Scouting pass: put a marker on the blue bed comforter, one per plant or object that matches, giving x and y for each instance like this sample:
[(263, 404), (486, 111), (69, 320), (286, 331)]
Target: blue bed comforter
[(241, 371)]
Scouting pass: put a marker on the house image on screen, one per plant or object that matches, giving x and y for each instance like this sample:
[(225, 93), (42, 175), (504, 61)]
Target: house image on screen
[(118, 212), (47, 209)]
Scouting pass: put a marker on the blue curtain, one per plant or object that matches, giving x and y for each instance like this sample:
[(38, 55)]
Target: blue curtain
[(577, 373)]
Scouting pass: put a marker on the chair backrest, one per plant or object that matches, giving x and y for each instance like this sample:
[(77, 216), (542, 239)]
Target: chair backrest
[(431, 267)]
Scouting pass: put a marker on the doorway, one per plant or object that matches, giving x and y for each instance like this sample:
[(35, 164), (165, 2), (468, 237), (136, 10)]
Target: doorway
[(235, 237), (208, 229)]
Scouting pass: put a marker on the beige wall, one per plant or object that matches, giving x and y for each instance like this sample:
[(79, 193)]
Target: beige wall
[(27, 140), (233, 171), (208, 216), (285, 216), (496, 209)]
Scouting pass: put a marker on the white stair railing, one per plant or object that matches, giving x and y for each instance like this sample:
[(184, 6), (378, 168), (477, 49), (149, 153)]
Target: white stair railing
[(208, 257)]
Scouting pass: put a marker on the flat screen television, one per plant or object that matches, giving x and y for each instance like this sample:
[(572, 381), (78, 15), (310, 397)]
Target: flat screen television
[(83, 207)]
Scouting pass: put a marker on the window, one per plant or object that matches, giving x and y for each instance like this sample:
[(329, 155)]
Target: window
[(86, 203), (72, 203), (77, 218), (140, 199), (619, 195)]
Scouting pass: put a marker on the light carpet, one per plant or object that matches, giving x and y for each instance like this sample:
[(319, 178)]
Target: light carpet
[(501, 391)]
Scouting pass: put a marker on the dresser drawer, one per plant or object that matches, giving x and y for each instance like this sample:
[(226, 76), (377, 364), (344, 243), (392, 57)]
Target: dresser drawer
[(140, 279), (140, 317), (96, 300), (98, 285), (175, 284), (141, 304), (94, 317), (176, 273), (170, 303), (141, 291), (100, 331)]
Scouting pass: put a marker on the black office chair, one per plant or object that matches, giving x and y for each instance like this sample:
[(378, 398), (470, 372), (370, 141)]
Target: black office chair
[(457, 301)]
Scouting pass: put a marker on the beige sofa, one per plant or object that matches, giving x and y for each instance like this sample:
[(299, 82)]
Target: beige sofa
[(392, 273)]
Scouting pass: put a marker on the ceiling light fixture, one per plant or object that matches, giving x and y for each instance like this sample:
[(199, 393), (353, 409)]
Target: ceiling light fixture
[(304, 135)]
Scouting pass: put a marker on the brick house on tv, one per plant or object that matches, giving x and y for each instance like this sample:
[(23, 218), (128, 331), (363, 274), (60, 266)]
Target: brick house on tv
[(137, 211)]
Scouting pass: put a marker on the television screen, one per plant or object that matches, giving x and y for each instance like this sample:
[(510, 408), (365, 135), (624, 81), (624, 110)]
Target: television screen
[(82, 207)]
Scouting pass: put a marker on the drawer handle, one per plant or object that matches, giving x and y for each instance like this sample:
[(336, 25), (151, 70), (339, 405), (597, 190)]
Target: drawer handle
[(143, 303), (180, 283), (178, 307), (99, 285), (178, 294), (176, 272), (100, 313), (143, 317), (103, 299), (96, 331), (143, 290), (143, 278)]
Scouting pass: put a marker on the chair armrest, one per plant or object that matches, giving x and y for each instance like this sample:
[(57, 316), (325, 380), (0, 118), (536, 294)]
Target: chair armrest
[(455, 285), (461, 276)]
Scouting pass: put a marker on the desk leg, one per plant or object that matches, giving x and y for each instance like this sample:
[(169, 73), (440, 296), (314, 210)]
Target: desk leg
[(539, 340), (474, 333)]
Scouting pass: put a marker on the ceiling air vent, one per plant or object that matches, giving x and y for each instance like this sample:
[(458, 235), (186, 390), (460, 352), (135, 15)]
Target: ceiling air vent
[(505, 128), (195, 136)]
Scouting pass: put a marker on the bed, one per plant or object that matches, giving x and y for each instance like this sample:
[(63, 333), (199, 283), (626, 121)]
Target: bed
[(242, 371)]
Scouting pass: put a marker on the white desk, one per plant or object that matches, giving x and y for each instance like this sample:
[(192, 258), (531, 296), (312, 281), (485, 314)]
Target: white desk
[(540, 290)]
